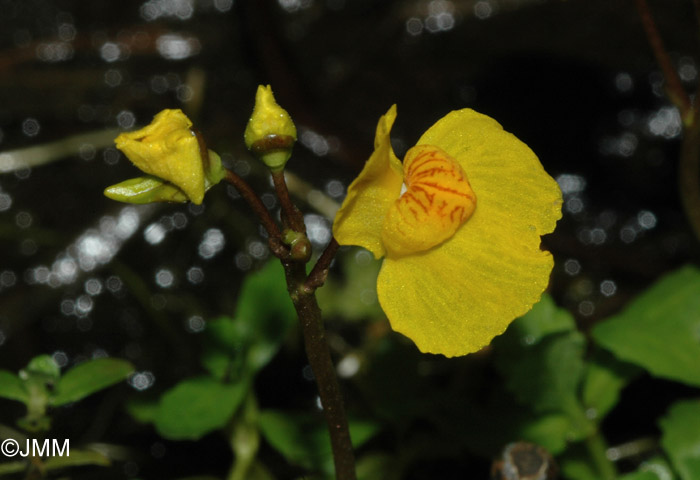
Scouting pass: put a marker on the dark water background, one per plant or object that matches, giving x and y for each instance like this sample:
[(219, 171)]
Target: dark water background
[(81, 276)]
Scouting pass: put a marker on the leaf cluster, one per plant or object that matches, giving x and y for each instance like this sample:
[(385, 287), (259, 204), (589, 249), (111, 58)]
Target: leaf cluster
[(41, 386)]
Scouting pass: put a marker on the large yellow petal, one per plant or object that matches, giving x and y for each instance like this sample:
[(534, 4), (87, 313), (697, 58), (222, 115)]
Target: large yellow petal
[(454, 298), (361, 216)]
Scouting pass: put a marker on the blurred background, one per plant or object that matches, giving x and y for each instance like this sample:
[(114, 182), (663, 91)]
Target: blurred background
[(84, 277)]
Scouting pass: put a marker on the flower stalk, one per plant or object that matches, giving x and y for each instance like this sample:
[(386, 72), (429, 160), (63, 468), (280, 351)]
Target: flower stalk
[(301, 291), (270, 136), (291, 215), (318, 354)]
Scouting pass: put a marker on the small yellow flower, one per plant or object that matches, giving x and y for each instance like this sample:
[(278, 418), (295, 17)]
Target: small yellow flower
[(458, 225), (168, 149)]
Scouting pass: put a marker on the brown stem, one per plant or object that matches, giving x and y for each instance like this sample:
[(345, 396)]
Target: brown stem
[(318, 275), (277, 248), (291, 213), (675, 90), (258, 207), (689, 175), (319, 356)]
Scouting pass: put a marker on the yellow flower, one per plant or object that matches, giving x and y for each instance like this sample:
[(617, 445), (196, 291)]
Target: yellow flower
[(168, 149), (458, 225)]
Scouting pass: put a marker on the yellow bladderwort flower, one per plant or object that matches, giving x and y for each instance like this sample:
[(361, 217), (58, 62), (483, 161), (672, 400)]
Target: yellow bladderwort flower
[(168, 150), (458, 225)]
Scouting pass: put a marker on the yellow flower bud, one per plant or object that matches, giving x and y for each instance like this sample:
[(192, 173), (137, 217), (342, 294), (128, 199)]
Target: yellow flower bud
[(150, 189), (168, 149), (270, 132)]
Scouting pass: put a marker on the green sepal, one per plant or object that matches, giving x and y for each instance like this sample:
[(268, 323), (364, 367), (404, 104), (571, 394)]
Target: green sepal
[(147, 189), (214, 172), (276, 160)]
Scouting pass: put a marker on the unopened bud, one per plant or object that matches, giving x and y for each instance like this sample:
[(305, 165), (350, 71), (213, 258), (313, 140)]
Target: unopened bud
[(270, 133), (151, 189)]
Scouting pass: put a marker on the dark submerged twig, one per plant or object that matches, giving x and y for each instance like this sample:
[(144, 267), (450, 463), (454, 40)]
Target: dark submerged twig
[(689, 175), (674, 88), (689, 163)]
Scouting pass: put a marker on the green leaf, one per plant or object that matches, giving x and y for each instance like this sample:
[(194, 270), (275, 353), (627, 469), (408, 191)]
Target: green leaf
[(552, 432), (540, 357), (660, 330), (244, 344), (143, 410), (12, 467), (575, 464), (483, 422), (90, 377), (543, 320), (12, 387), (226, 348), (543, 369), (605, 377), (43, 366), (303, 439), (196, 407), (77, 458), (659, 467), (639, 476), (643, 475), (681, 438)]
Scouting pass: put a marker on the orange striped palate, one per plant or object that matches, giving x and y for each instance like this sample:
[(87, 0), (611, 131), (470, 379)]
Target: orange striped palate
[(437, 201)]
